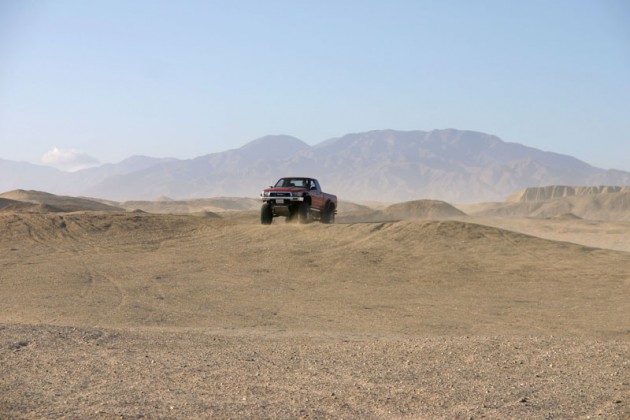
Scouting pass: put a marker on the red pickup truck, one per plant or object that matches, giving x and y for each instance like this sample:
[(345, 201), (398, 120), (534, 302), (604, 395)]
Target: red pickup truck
[(297, 198)]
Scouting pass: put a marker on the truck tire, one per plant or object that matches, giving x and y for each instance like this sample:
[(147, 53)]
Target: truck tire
[(328, 216), (303, 212), (266, 215)]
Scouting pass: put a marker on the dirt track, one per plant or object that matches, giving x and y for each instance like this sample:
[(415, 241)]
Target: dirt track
[(160, 315)]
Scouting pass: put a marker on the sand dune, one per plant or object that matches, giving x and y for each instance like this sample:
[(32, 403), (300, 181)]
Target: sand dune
[(593, 203), (214, 205), (567, 228), (137, 314), (422, 209), (52, 202), (217, 205), (417, 209)]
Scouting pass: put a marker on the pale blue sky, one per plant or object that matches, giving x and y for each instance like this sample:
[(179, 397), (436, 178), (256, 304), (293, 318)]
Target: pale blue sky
[(185, 78)]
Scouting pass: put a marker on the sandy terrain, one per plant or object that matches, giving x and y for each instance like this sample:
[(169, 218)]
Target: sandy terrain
[(590, 204), (138, 315), (598, 234)]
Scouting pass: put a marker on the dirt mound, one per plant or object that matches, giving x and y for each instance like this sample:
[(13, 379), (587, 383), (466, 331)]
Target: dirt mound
[(385, 278), (228, 318), (208, 214), (567, 216), (349, 206), (52, 202), (422, 209), (214, 205), (41, 226), (362, 216)]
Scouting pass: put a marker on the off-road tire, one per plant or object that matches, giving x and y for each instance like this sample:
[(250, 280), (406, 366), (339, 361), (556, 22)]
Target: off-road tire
[(266, 214), (328, 216), (303, 212)]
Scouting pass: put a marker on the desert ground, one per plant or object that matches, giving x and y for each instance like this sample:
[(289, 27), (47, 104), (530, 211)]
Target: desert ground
[(144, 315)]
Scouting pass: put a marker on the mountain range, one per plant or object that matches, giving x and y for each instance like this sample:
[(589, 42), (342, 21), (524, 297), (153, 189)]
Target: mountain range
[(383, 165)]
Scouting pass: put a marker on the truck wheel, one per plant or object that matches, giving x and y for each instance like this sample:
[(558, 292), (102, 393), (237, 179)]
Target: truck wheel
[(266, 215), (303, 212), (329, 214)]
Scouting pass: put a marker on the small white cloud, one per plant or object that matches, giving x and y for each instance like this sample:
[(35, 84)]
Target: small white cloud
[(69, 160)]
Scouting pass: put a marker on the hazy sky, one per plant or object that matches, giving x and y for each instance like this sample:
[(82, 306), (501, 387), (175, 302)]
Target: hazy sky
[(111, 78)]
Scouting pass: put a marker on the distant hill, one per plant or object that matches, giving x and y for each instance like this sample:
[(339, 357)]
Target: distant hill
[(8, 205), (384, 165), (42, 201), (26, 176), (594, 203), (22, 175), (562, 191)]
